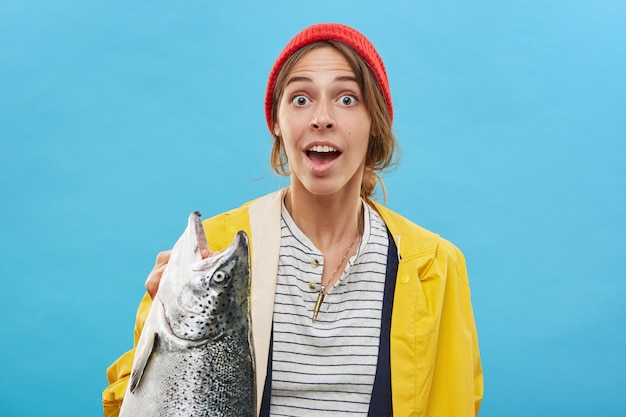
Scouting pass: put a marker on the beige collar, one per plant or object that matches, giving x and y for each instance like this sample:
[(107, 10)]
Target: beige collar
[(264, 215)]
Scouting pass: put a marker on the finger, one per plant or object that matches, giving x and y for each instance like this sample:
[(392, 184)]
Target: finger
[(205, 263), (154, 278), (152, 285), (207, 253), (163, 258)]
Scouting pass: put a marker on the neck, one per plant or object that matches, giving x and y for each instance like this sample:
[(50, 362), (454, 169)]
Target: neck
[(326, 220)]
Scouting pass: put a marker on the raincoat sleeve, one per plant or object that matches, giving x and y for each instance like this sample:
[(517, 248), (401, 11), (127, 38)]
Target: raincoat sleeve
[(457, 387), (119, 371)]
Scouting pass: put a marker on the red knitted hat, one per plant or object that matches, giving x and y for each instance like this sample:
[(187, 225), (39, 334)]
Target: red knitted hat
[(337, 32)]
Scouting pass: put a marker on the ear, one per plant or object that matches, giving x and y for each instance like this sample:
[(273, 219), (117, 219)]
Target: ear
[(373, 131), (276, 130)]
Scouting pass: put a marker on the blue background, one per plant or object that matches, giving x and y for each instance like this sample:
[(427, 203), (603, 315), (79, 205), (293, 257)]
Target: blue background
[(119, 118)]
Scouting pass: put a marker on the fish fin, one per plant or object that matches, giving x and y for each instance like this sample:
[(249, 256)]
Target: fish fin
[(141, 360)]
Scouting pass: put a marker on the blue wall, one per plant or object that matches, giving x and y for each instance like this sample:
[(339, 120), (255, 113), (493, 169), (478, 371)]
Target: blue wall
[(119, 118)]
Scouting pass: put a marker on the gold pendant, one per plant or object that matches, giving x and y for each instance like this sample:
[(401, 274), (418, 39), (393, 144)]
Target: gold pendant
[(318, 304)]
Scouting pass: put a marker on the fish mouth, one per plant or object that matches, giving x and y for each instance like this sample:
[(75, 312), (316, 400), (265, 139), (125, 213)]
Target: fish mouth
[(218, 259), (199, 229), (240, 242)]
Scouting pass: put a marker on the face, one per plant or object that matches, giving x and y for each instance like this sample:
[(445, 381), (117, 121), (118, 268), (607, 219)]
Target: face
[(324, 124)]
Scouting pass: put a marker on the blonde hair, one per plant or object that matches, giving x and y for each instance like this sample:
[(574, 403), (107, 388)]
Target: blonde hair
[(382, 147)]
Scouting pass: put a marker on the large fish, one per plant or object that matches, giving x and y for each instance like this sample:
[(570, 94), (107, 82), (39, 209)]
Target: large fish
[(194, 356)]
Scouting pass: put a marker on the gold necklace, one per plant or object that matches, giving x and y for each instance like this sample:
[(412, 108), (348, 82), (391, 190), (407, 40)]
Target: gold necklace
[(321, 295)]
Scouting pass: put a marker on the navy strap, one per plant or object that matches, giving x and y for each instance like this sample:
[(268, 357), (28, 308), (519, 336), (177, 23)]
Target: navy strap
[(380, 404), (267, 389)]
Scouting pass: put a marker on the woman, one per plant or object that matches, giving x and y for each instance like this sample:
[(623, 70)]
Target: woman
[(355, 309)]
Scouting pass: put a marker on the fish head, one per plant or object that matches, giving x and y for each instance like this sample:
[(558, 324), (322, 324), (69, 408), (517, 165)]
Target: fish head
[(212, 297)]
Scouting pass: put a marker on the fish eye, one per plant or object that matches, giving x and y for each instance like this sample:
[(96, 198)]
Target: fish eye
[(220, 276)]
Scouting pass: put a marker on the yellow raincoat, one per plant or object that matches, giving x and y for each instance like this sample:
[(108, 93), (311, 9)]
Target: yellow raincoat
[(435, 362)]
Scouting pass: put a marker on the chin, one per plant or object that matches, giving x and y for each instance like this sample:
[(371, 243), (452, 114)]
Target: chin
[(326, 189)]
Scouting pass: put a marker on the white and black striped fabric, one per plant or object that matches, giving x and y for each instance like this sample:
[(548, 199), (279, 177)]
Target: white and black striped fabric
[(327, 367)]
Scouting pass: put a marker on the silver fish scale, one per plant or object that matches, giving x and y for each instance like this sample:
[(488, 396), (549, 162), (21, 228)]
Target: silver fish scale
[(213, 380)]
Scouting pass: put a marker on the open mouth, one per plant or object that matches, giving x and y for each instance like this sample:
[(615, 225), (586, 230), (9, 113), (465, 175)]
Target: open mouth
[(321, 154)]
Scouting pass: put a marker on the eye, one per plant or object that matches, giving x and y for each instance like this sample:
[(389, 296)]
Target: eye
[(300, 100), (219, 277), (347, 100)]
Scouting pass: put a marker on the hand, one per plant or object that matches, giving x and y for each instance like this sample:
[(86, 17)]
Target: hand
[(152, 283)]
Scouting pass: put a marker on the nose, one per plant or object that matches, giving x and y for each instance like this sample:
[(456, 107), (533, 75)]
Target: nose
[(322, 118)]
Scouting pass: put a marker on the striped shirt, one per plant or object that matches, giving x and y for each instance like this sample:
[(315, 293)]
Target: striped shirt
[(327, 367)]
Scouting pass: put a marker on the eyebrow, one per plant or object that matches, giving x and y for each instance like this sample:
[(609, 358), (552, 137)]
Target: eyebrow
[(307, 79)]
